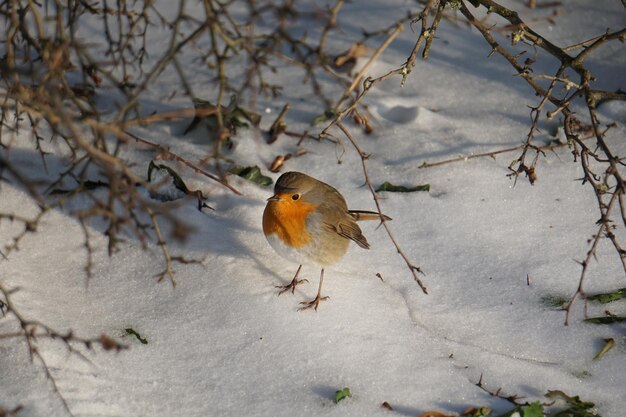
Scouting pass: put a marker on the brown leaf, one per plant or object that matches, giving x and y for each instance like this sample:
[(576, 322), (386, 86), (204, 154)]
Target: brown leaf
[(279, 161), (109, 344), (532, 175), (363, 120), (387, 406), (357, 50), (279, 125), (433, 413)]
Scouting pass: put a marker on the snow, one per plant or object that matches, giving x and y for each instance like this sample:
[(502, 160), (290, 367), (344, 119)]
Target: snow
[(221, 343)]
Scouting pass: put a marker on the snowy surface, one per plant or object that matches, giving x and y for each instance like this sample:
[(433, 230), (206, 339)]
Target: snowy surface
[(223, 344)]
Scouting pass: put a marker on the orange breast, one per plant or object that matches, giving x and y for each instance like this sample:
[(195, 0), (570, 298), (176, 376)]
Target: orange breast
[(286, 219)]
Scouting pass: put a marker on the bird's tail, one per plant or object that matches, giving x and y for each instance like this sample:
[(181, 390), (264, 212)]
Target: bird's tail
[(366, 215)]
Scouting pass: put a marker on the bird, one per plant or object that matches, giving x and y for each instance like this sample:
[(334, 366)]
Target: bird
[(307, 221)]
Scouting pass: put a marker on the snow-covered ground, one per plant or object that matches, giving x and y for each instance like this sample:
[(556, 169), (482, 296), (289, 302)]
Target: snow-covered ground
[(221, 343)]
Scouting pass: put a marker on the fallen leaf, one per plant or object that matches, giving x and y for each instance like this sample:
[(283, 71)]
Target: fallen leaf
[(328, 115), (608, 297), (251, 173), (279, 161), (433, 413), (577, 407), (341, 394), (171, 186), (279, 125), (477, 411), (132, 332), (605, 319), (109, 344), (608, 345), (387, 186), (347, 60), (534, 409)]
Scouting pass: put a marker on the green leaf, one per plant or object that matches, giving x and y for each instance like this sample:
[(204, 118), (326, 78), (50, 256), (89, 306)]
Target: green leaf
[(477, 412), (387, 186), (534, 409), (517, 411), (132, 332), (341, 394), (608, 345), (153, 170), (161, 174), (605, 319), (608, 297), (252, 173), (575, 407), (328, 115)]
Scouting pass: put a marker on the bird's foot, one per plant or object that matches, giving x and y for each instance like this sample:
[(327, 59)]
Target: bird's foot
[(313, 303), (291, 286)]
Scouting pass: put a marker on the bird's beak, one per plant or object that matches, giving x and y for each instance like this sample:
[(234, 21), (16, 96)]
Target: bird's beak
[(273, 198)]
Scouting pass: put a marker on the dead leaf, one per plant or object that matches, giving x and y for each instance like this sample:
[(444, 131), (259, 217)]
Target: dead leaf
[(347, 60), (279, 161), (109, 344), (434, 413), (387, 406)]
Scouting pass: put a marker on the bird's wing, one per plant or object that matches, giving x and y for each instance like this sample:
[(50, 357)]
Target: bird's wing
[(366, 215), (350, 231)]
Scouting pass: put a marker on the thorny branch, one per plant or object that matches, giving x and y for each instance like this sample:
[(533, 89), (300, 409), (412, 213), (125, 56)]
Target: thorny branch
[(82, 105), (31, 331), (513, 399), (608, 186), (492, 154), (425, 37), (53, 86), (415, 270), (561, 93)]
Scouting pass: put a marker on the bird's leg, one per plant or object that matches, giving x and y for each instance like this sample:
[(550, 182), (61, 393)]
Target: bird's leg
[(292, 285), (315, 302)]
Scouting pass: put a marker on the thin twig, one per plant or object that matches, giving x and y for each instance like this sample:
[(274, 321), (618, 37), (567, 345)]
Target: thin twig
[(414, 269), (31, 330), (167, 272)]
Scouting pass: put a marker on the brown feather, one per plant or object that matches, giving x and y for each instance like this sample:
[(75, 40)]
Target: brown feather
[(360, 215), (350, 231)]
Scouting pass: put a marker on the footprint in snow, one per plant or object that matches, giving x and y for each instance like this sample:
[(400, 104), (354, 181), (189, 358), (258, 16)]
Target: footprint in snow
[(404, 113), (399, 114)]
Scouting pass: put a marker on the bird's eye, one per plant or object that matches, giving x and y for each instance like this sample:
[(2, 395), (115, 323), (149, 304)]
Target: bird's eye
[(295, 197)]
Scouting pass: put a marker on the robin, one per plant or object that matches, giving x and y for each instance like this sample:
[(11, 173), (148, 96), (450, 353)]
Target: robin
[(308, 221)]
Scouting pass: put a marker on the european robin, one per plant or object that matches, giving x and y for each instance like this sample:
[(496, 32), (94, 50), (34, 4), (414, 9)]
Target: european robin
[(308, 221)]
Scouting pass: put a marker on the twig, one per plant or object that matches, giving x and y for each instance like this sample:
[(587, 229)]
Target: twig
[(185, 113), (513, 399), (173, 156), (492, 154), (610, 182), (357, 79), (166, 254), (414, 269), (331, 24), (31, 330), (402, 71)]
